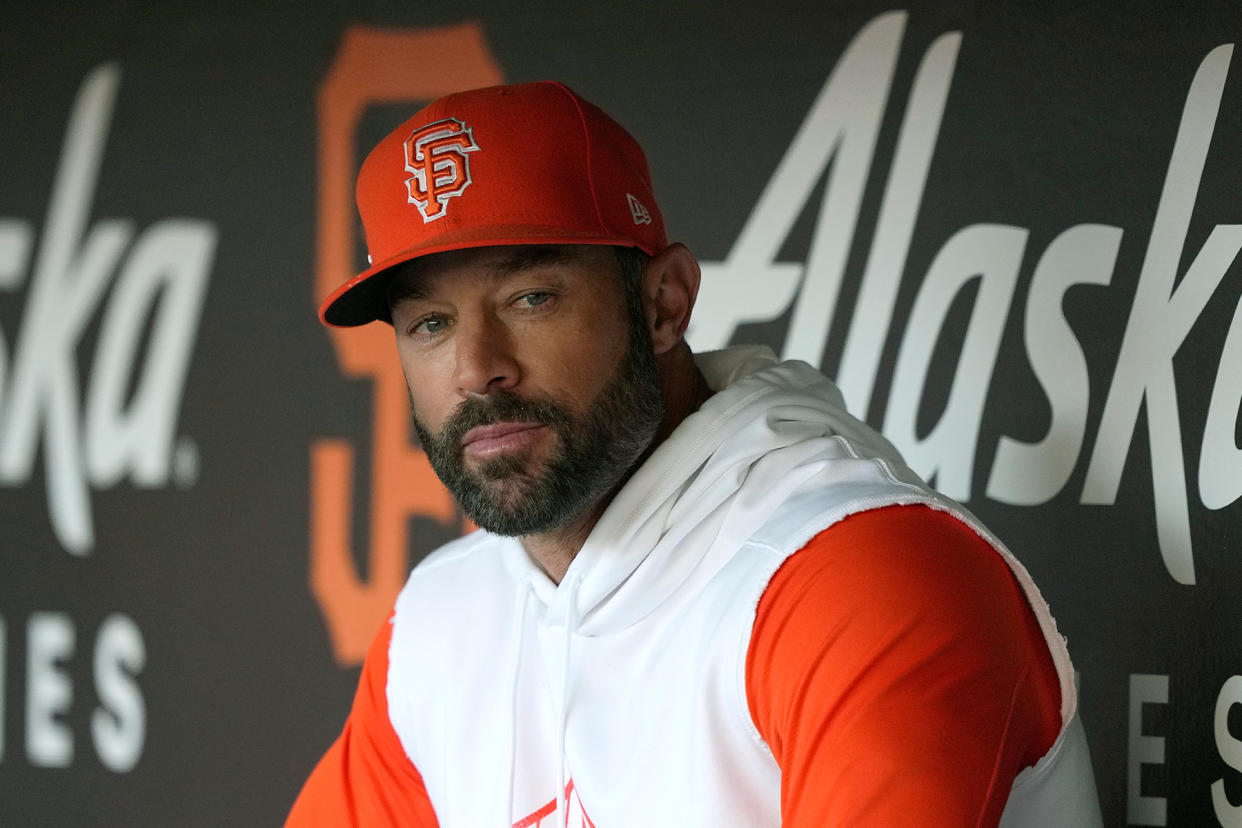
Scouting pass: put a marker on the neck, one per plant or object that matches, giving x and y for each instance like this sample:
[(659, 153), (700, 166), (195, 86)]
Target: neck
[(555, 550), (685, 389)]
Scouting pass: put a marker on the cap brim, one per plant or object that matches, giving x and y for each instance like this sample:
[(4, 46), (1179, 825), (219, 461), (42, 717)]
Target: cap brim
[(364, 299)]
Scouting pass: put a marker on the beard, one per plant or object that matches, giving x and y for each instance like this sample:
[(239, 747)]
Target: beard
[(594, 453)]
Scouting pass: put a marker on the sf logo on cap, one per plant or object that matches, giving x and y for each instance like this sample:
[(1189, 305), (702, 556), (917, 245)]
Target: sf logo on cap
[(436, 155)]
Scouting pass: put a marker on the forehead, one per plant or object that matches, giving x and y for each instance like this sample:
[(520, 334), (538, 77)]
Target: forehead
[(420, 277)]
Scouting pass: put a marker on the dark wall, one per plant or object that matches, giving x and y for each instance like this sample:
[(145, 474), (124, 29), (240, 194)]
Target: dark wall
[(1012, 235)]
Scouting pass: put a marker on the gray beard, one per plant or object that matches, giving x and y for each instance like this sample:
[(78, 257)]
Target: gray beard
[(517, 495)]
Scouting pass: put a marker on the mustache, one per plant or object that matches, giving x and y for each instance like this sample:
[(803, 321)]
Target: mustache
[(501, 406)]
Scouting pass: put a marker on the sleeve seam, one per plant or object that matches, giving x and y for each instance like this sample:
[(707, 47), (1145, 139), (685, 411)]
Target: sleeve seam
[(1004, 737)]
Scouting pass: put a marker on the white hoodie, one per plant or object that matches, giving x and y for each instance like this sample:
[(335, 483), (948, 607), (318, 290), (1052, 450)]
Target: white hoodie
[(624, 685)]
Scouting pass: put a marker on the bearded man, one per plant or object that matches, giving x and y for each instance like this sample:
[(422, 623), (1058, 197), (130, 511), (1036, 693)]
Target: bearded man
[(702, 593)]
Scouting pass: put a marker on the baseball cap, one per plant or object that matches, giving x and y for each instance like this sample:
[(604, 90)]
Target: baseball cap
[(532, 163)]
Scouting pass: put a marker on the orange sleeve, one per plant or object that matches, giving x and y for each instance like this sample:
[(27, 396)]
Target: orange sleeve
[(899, 675), (365, 778)]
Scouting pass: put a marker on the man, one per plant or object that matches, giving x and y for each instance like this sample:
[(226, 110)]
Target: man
[(703, 593)]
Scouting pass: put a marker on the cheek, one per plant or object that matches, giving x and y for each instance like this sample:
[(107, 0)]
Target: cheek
[(431, 409), (576, 361), (430, 405), (424, 412)]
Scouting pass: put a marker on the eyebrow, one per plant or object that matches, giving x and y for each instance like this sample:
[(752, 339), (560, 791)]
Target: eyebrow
[(400, 289), (527, 258)]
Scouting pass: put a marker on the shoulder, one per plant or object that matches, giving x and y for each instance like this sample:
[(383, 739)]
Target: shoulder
[(452, 596), (457, 588), (475, 559), (898, 644), (903, 596), (461, 551), (897, 566)]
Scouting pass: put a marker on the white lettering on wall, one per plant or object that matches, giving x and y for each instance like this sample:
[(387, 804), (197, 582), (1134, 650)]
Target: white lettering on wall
[(1220, 459), (1027, 474), (40, 391), (838, 139), (991, 253), (49, 691), (119, 724), (1160, 320), (903, 194), (841, 127), (168, 265), (1144, 750), (1230, 749)]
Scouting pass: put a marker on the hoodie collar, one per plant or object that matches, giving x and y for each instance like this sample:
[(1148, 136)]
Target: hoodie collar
[(708, 486)]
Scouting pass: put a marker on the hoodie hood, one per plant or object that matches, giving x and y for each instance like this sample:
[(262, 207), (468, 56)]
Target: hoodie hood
[(768, 429)]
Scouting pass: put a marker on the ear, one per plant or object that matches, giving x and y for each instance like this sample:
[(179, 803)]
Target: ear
[(670, 284)]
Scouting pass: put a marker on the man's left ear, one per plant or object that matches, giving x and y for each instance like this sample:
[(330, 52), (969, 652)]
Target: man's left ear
[(670, 286)]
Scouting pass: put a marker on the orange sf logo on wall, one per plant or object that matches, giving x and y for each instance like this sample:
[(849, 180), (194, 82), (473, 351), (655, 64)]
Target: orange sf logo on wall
[(373, 66)]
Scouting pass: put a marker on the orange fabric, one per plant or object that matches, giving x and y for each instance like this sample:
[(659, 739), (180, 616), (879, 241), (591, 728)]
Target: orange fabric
[(899, 675), (365, 778)]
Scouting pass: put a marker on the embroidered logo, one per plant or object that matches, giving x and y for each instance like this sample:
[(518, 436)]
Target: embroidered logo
[(638, 211), (436, 155), (575, 815)]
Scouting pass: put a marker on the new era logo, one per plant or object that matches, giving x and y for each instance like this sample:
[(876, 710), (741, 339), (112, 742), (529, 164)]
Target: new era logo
[(638, 211)]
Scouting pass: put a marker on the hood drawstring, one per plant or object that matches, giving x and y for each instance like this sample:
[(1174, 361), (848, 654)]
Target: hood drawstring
[(519, 632), (571, 624)]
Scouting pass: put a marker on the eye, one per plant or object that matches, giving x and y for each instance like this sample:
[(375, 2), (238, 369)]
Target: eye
[(428, 326), (533, 299)]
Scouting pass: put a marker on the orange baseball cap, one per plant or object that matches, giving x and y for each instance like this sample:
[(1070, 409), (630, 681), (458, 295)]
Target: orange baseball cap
[(526, 164)]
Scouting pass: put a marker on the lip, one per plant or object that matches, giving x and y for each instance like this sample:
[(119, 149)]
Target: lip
[(487, 440)]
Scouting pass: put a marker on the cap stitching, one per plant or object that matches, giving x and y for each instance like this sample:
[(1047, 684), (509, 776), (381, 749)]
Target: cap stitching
[(586, 132)]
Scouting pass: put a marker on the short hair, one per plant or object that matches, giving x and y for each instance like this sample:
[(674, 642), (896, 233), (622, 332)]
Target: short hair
[(632, 261)]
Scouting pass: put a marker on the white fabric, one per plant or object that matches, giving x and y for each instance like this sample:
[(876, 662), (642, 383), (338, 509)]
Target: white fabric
[(628, 680)]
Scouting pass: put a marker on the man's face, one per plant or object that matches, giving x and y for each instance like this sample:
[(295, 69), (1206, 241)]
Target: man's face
[(532, 379)]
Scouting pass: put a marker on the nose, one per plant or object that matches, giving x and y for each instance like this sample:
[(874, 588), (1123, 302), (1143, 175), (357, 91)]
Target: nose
[(485, 361)]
